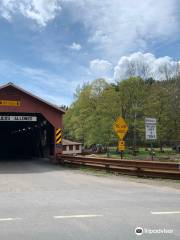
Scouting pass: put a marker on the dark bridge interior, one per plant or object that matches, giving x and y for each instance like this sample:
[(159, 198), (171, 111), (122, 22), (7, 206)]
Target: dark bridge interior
[(26, 139)]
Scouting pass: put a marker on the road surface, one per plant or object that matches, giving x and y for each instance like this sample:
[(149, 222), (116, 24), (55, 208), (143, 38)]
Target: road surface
[(41, 201)]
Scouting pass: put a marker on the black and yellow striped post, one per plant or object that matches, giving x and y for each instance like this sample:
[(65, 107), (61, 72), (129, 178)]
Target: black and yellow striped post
[(58, 136)]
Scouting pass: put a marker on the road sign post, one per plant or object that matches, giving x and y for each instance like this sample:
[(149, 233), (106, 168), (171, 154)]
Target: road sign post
[(151, 134), (121, 128)]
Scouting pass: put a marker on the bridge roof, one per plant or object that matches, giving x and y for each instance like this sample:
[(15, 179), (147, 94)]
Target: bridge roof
[(10, 84)]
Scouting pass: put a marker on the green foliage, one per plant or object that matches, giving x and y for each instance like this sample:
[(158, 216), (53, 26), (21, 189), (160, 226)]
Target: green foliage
[(96, 106)]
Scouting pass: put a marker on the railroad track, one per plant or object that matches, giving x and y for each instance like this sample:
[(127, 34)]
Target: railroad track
[(138, 168)]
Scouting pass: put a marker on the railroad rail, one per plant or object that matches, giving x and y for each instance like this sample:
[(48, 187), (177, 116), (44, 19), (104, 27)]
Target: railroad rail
[(138, 168)]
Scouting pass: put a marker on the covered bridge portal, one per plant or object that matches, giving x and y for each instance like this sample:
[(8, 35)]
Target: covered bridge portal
[(28, 124)]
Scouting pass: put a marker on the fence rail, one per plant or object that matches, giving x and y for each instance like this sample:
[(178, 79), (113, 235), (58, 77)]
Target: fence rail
[(132, 167)]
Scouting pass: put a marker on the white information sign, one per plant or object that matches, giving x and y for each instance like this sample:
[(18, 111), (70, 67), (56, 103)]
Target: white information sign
[(19, 118), (150, 125)]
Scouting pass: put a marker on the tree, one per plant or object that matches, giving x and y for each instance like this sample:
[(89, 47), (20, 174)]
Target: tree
[(83, 120), (132, 96), (157, 106), (97, 105)]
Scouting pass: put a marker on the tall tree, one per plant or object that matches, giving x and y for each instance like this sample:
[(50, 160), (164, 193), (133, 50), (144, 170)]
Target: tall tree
[(132, 97)]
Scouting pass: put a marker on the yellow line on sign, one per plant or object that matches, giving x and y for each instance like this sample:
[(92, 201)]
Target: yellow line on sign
[(58, 131)]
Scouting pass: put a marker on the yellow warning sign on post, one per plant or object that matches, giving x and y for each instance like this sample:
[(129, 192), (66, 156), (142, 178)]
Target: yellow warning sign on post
[(59, 136), (10, 103), (121, 145), (120, 127)]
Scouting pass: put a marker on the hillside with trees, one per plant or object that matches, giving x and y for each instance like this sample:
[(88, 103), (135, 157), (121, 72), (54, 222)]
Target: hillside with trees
[(96, 106)]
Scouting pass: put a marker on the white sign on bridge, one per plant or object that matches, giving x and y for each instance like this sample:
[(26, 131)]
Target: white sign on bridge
[(19, 118), (150, 124)]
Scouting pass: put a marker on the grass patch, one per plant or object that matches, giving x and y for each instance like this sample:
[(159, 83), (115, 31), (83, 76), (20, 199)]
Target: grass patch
[(167, 155)]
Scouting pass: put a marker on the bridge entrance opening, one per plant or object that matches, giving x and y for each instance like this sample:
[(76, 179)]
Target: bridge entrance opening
[(25, 135)]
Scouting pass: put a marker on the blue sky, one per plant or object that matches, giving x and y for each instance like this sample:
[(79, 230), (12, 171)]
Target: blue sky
[(50, 47)]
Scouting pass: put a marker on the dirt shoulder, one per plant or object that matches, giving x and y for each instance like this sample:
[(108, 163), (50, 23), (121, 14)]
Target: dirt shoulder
[(175, 184)]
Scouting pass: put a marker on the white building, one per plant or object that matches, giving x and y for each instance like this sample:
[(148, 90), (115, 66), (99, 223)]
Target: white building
[(70, 147)]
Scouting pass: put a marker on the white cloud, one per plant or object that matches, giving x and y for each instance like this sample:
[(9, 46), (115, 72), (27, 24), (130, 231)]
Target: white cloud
[(145, 65), (115, 27), (41, 11), (75, 46), (100, 67), (119, 27)]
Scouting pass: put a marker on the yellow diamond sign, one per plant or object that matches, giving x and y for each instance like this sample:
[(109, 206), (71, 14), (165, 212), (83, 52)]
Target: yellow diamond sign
[(120, 127)]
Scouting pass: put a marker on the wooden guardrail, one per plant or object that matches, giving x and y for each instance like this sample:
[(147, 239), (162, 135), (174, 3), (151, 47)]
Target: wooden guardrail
[(133, 167)]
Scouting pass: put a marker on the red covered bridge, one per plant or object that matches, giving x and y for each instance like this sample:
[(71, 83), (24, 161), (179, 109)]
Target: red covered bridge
[(29, 125)]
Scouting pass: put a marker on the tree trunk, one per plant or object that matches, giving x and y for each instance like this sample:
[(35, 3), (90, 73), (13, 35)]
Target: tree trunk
[(134, 135)]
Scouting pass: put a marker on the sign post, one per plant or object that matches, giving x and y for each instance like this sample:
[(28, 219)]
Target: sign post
[(151, 134), (121, 128)]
